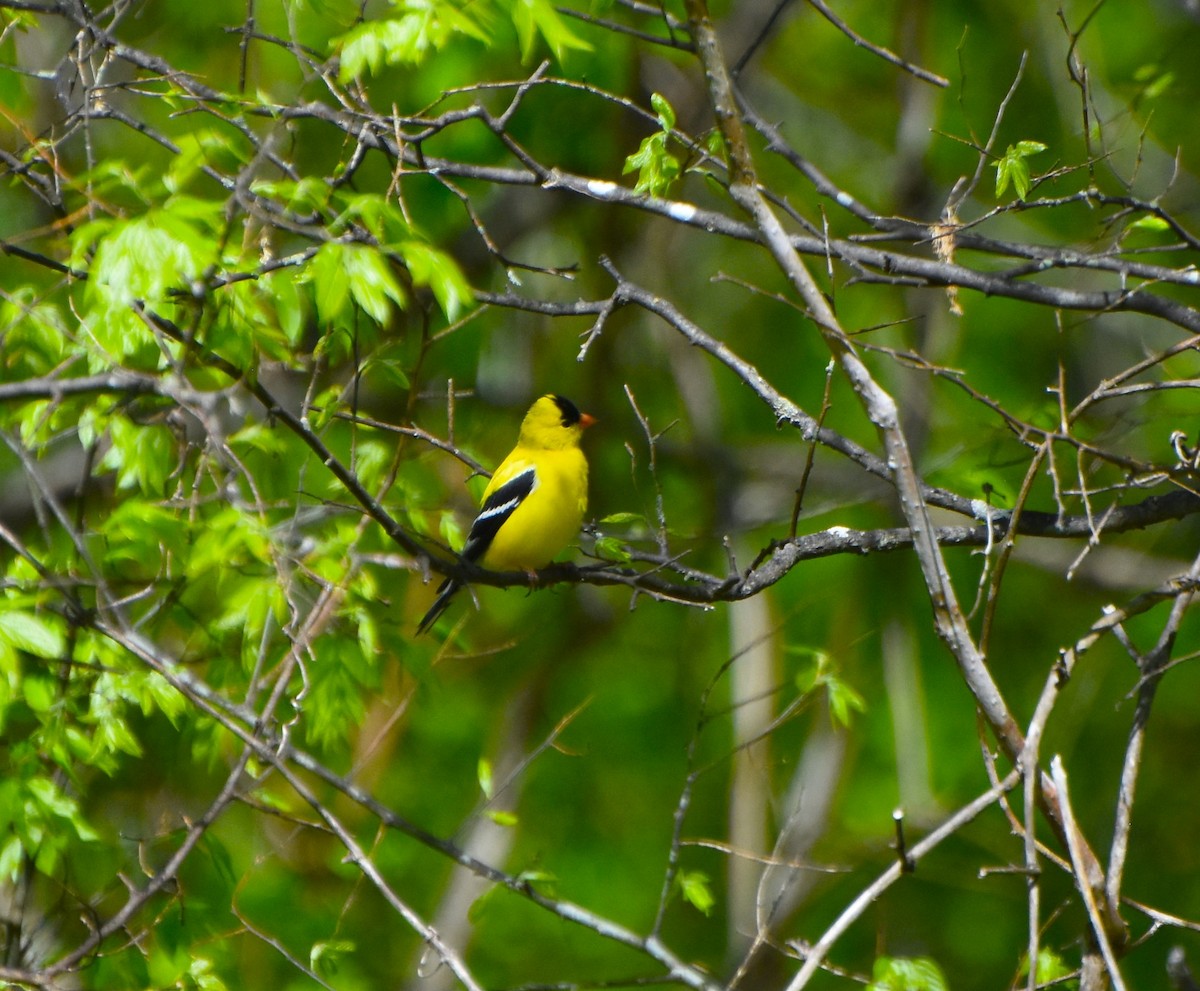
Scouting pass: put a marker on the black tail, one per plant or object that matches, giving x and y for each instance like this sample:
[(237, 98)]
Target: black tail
[(445, 593)]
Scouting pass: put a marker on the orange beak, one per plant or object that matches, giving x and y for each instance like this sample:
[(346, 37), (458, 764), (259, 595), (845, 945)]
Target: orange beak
[(586, 420)]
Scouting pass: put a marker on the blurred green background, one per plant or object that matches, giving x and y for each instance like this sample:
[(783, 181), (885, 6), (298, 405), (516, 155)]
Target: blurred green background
[(602, 706)]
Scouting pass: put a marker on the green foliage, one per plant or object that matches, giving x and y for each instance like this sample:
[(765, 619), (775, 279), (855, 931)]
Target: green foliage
[(906, 974), (418, 28), (610, 547), (346, 273), (1052, 968), (204, 150), (1149, 222), (1013, 168), (35, 336), (136, 262), (539, 18), (40, 822), (696, 889), (484, 774), (325, 956), (347, 278), (657, 168), (822, 675), (1153, 80), (31, 633), (142, 456), (428, 266), (265, 291)]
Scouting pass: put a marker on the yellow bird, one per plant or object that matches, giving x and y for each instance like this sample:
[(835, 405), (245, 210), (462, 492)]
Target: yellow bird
[(534, 504)]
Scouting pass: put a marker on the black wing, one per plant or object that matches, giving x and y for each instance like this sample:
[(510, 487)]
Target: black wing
[(496, 510)]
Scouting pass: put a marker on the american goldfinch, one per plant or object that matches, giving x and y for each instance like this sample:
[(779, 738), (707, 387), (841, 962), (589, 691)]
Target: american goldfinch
[(535, 502)]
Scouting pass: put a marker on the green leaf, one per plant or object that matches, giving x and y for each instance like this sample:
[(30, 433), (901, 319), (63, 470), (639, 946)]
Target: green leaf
[(337, 677), (112, 734), (325, 956), (906, 974), (1012, 167), (380, 215), (229, 542), (169, 963), (1153, 80), (139, 536), (327, 402), (374, 459), (1051, 969), (198, 149), (143, 258), (422, 27), (657, 168), (503, 817), (483, 772), (160, 694), (714, 144), (52, 801), (451, 530), (538, 17), (696, 890), (842, 698), (203, 974), (40, 636), (623, 519), (284, 295), (309, 195), (480, 905), (666, 113), (1149, 222), (142, 456), (12, 860), (331, 283), (259, 436), (35, 335), (612, 549), (371, 46), (39, 693), (389, 365), (534, 877), (433, 268), (371, 281)]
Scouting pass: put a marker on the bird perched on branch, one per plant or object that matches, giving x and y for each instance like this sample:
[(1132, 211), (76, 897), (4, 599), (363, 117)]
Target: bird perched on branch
[(535, 502)]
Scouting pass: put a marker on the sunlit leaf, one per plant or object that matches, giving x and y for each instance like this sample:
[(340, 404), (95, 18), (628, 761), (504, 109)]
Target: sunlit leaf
[(420, 28), (39, 635), (906, 974), (1012, 168), (534, 18), (325, 955), (483, 773), (434, 268), (1149, 222), (696, 890)]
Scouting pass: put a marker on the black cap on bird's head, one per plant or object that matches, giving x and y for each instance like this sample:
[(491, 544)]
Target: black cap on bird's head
[(570, 412), (553, 422)]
